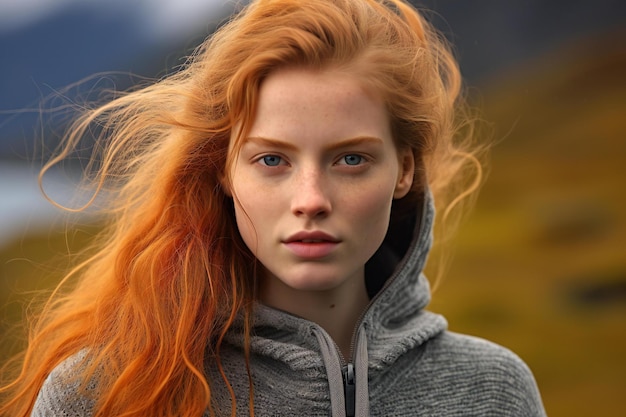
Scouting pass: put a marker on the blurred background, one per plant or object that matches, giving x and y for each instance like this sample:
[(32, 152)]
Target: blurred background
[(539, 265)]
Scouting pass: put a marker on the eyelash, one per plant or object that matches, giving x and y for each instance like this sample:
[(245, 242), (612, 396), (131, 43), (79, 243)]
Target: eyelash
[(263, 160)]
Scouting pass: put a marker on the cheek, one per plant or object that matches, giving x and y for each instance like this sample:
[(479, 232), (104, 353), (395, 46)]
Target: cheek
[(371, 209)]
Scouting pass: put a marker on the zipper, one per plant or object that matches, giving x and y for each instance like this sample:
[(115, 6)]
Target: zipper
[(349, 389), (349, 378), (347, 371)]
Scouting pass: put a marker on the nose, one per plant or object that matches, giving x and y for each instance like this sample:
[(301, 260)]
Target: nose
[(310, 197)]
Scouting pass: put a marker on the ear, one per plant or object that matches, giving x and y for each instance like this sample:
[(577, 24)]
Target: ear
[(405, 173)]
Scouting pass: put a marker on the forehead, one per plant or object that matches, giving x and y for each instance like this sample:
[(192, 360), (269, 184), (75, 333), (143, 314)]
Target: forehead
[(328, 103), (342, 86)]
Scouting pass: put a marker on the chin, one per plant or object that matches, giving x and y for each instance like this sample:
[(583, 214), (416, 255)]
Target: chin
[(311, 283), (314, 279)]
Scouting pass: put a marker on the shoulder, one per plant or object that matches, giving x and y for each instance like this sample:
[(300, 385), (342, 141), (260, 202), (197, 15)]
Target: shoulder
[(61, 393), (476, 353), (492, 377), (474, 350)]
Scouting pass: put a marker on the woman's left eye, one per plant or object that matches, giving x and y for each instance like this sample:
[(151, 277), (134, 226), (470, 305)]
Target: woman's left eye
[(351, 159)]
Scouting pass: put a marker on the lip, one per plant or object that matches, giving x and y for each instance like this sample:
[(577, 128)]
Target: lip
[(311, 245), (314, 235)]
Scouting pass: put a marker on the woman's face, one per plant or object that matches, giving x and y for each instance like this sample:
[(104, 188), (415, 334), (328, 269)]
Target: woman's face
[(315, 178)]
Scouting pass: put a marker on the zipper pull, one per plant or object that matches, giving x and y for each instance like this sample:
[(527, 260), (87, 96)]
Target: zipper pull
[(349, 389)]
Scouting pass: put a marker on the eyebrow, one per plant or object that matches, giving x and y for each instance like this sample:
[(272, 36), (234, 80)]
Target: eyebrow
[(346, 143)]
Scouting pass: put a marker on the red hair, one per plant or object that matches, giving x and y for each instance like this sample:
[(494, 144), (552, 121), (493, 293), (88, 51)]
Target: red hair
[(170, 273)]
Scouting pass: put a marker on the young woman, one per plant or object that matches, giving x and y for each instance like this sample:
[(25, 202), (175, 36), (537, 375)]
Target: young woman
[(272, 207)]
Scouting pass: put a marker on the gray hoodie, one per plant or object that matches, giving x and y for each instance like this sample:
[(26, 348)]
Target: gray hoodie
[(403, 362)]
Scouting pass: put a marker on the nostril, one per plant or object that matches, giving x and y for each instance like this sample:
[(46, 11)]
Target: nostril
[(312, 204), (312, 211)]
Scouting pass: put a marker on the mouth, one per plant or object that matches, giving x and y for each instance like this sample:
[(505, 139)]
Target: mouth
[(311, 237), (311, 245)]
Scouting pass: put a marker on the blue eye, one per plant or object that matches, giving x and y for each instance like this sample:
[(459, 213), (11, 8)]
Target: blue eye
[(353, 159), (271, 160)]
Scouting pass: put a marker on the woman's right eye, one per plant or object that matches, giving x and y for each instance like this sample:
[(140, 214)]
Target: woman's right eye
[(271, 160)]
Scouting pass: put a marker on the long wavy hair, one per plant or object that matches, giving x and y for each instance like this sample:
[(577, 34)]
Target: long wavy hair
[(169, 274)]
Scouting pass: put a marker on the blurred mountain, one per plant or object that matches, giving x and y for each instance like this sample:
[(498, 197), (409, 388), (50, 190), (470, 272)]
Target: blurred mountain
[(55, 52), (39, 60)]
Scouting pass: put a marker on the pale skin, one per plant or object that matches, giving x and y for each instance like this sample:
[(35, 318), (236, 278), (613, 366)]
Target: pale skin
[(313, 186)]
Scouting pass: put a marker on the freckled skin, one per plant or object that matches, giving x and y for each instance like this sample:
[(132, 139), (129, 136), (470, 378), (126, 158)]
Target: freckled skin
[(315, 175)]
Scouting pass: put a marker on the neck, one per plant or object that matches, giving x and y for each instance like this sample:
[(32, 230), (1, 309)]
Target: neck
[(336, 310)]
